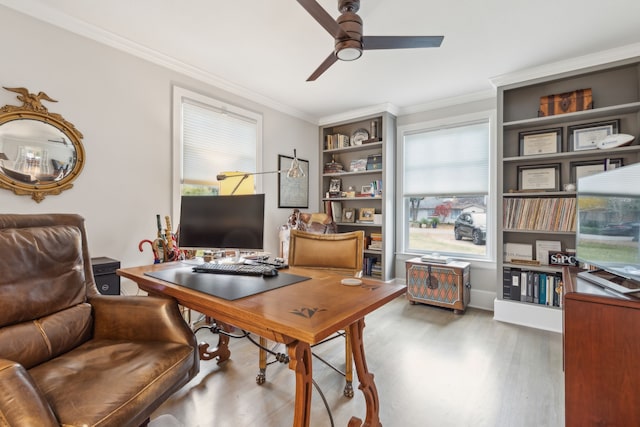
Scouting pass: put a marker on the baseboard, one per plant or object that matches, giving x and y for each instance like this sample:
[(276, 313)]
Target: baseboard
[(478, 299), (482, 299), (530, 315)]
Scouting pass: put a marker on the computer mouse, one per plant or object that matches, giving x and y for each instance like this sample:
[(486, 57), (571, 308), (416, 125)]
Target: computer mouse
[(270, 273)]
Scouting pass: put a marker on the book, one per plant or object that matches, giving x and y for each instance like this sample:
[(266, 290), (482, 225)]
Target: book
[(543, 289), (358, 165), (434, 258), (374, 161), (515, 284), (336, 211), (506, 282)]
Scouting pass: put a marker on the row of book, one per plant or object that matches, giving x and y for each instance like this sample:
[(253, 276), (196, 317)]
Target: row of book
[(375, 242), (336, 140), (549, 214), (537, 287), (371, 266)]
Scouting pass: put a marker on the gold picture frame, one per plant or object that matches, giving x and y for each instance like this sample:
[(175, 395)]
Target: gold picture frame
[(366, 214)]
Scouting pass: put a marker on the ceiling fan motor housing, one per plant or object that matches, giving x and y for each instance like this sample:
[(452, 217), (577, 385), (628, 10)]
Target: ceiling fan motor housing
[(351, 24)]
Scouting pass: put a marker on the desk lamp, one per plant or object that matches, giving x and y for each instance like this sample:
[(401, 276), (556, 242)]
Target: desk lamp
[(294, 171)]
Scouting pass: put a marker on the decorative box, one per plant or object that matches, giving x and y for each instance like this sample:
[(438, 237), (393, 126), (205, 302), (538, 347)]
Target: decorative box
[(567, 102), (444, 285)]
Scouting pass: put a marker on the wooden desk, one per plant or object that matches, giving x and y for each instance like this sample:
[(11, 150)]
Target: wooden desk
[(297, 315), (601, 349)]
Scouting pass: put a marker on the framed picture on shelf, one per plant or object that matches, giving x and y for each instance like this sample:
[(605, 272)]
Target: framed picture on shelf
[(348, 215), (292, 192), (335, 186), (586, 136), (539, 177), (366, 214), (543, 247), (590, 167), (547, 141), (366, 189)]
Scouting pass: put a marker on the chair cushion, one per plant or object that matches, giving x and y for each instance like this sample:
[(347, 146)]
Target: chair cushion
[(114, 378), (43, 310), (42, 268), (331, 251)]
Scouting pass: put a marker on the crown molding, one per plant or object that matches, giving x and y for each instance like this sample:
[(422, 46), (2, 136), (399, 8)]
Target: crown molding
[(43, 12), (449, 102), (360, 112), (572, 64)]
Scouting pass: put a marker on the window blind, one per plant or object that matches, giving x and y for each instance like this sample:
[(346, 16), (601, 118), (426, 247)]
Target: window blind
[(450, 161), (214, 141)]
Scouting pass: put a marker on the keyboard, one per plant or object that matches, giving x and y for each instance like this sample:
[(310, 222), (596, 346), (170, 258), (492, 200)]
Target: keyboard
[(240, 269)]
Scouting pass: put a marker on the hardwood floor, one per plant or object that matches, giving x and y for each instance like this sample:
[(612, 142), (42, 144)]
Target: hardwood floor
[(432, 368)]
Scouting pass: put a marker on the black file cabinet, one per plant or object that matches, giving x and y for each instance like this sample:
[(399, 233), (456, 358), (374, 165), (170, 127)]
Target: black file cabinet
[(104, 272)]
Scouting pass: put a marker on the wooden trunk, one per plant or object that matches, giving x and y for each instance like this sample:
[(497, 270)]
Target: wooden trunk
[(444, 285), (567, 102)]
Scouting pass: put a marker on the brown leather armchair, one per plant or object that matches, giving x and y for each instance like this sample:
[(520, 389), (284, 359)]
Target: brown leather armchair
[(70, 356)]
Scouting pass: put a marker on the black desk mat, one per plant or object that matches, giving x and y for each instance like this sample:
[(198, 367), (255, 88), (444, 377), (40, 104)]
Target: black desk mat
[(225, 286)]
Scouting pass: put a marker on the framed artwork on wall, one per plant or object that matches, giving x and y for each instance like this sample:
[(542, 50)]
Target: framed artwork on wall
[(292, 192)]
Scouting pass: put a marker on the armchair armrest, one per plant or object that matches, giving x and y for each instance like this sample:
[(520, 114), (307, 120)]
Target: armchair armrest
[(21, 402), (140, 318)]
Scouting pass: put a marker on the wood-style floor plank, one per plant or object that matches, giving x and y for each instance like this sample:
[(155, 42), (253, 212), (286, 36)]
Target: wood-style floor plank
[(431, 366)]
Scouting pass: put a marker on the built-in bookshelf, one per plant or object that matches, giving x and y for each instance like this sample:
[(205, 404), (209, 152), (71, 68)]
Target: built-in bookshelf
[(540, 161), (357, 184)]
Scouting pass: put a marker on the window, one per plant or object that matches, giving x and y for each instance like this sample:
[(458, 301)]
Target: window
[(211, 137), (445, 188)]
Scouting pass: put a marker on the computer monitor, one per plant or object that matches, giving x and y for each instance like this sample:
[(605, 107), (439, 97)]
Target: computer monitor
[(222, 222)]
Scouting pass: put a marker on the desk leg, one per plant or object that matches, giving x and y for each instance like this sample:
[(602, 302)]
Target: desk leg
[(300, 363), (221, 351), (367, 385)]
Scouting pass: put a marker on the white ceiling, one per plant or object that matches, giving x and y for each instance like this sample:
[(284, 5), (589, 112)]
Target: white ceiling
[(266, 49)]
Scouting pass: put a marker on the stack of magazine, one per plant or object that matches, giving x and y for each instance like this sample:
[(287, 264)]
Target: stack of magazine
[(435, 258)]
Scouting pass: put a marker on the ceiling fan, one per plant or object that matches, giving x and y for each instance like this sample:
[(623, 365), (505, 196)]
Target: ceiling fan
[(347, 32)]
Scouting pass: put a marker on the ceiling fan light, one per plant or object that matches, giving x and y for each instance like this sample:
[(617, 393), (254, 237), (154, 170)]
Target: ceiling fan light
[(349, 54)]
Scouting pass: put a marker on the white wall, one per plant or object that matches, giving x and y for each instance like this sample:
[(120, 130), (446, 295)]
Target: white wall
[(122, 105)]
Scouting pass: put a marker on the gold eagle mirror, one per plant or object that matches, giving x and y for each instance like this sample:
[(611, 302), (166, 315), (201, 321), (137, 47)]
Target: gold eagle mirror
[(40, 152)]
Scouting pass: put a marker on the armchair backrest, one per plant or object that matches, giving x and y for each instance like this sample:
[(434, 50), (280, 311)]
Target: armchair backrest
[(342, 252), (46, 279)]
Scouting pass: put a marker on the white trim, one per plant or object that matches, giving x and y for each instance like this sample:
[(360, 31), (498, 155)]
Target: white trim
[(489, 94), (460, 120), (530, 315), (41, 11), (482, 300), (180, 93), (361, 112), (590, 60)]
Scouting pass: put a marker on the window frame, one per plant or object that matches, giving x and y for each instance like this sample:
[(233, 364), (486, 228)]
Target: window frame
[(179, 94), (402, 206)]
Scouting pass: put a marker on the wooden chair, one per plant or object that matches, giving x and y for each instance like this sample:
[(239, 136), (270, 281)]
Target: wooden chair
[(342, 253)]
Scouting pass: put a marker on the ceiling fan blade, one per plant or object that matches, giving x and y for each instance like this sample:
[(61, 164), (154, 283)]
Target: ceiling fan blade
[(400, 42), (323, 67), (323, 18)]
